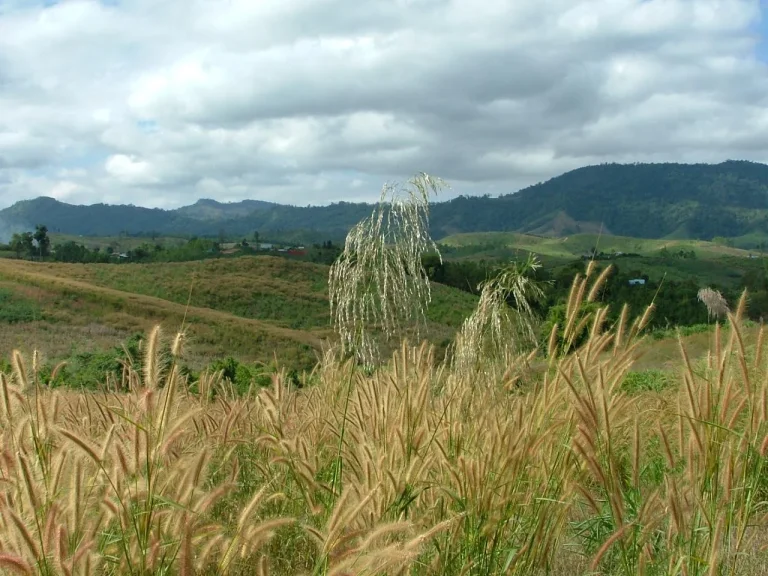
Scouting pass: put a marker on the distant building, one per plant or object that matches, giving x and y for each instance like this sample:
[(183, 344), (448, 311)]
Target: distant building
[(229, 245), (266, 246), (637, 281)]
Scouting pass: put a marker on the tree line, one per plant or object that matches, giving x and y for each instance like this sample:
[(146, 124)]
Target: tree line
[(37, 246), (31, 244), (676, 301)]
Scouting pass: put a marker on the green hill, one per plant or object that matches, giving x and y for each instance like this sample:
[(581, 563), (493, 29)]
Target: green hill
[(575, 245), (705, 263), (207, 209), (254, 308), (699, 201)]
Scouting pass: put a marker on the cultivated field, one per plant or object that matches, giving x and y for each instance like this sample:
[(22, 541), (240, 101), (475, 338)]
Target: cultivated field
[(117, 243)]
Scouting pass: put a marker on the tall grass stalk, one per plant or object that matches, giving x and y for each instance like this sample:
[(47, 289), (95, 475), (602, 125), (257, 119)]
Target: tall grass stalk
[(502, 325), (378, 287)]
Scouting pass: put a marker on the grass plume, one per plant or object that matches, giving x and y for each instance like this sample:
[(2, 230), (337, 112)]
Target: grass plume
[(378, 284)]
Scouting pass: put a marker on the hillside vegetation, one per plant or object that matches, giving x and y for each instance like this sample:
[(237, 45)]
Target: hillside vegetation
[(253, 308), (699, 201), (69, 314), (704, 263), (576, 245)]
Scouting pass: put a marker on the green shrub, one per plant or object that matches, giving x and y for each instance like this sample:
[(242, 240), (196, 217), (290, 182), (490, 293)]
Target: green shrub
[(238, 374), (556, 315), (89, 370), (666, 333), (645, 381), (14, 309)]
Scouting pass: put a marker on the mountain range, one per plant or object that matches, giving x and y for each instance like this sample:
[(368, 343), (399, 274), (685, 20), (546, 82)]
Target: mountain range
[(664, 200)]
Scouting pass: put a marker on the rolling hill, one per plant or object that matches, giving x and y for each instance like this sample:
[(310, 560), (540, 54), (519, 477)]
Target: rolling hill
[(574, 246), (208, 209), (674, 259), (697, 201), (253, 308)]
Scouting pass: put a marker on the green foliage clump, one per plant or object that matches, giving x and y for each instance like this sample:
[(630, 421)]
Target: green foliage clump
[(557, 316), (94, 370), (646, 381), (667, 333), (14, 309), (241, 375), (90, 370)]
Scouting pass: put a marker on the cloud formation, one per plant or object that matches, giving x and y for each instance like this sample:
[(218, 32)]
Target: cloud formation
[(315, 101)]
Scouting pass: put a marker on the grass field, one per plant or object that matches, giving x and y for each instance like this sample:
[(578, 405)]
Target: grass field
[(118, 243), (713, 263), (603, 460), (574, 246), (253, 308)]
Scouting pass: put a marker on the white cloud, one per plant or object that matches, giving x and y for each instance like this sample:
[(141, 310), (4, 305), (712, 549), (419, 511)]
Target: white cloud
[(130, 170), (64, 190), (313, 101)]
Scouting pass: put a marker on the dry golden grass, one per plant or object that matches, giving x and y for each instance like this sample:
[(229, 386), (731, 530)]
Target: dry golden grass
[(414, 468)]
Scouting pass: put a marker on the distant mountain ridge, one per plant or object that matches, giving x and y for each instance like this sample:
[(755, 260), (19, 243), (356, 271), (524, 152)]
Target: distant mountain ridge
[(209, 209), (698, 201)]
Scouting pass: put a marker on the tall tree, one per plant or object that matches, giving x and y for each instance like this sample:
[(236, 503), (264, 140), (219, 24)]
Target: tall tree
[(17, 244), (43, 242), (23, 244)]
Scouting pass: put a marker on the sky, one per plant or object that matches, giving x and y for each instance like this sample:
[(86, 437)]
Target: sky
[(160, 102)]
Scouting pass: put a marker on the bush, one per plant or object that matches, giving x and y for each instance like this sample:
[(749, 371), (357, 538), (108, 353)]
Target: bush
[(14, 309), (556, 315), (645, 381), (241, 375), (89, 370)]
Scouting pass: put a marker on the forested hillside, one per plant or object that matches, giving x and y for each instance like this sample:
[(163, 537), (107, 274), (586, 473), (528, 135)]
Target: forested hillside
[(699, 201)]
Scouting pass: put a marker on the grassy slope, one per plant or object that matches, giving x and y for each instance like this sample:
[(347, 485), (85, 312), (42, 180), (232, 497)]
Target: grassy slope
[(251, 307), (284, 293), (714, 263), (575, 245), (119, 243)]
